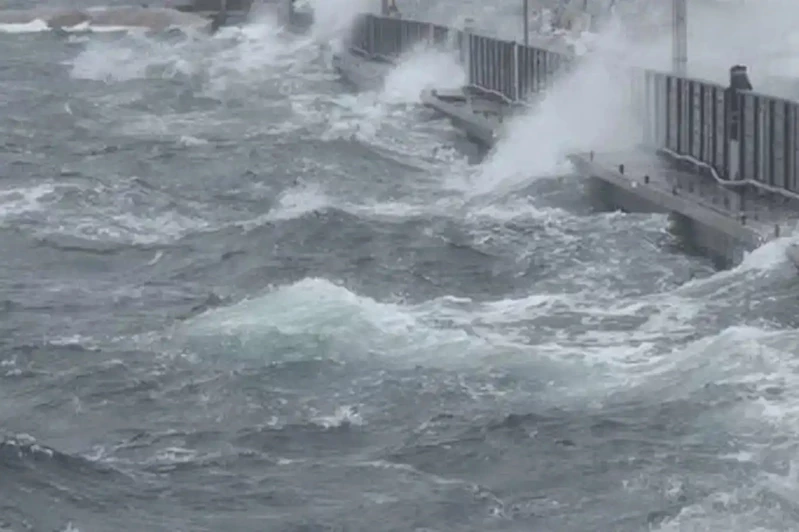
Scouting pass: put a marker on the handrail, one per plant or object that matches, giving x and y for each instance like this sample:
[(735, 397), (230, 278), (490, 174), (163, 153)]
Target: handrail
[(729, 183), (492, 92)]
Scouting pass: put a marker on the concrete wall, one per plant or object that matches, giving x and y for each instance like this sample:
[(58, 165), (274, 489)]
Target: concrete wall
[(723, 248)]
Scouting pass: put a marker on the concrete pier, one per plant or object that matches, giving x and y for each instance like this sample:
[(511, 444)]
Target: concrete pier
[(706, 213), (709, 215), (722, 161)]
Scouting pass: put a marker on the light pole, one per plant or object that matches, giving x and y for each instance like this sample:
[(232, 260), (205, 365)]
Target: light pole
[(679, 36), (526, 21)]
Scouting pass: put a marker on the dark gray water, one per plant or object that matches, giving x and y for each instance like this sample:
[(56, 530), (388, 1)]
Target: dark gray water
[(234, 296)]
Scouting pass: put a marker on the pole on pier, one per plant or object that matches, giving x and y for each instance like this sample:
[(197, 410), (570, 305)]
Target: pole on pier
[(679, 36), (526, 21)]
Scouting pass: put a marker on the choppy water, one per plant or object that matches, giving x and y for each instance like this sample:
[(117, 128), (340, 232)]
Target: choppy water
[(234, 296)]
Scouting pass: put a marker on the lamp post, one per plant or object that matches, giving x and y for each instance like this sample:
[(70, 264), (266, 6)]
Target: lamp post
[(679, 36), (526, 21)]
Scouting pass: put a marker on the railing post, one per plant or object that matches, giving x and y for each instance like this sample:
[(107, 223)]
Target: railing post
[(679, 51), (526, 22)]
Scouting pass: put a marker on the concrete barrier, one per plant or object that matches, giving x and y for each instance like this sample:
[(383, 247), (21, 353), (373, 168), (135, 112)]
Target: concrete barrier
[(723, 161)]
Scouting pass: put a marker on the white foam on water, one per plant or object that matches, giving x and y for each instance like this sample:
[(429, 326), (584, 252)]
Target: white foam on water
[(34, 26), (22, 200), (761, 365), (463, 331), (586, 109), (344, 416), (317, 316), (298, 201), (421, 69), (134, 57), (237, 56), (104, 214), (417, 70), (759, 263), (306, 198), (255, 53), (41, 26), (768, 256), (387, 120)]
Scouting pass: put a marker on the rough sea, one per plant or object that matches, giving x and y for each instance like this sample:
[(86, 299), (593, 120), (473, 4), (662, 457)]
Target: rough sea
[(237, 296)]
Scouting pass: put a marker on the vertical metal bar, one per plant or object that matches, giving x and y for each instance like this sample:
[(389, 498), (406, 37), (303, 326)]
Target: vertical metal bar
[(526, 21), (679, 51)]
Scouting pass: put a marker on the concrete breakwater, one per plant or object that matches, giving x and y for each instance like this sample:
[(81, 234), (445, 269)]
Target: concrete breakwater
[(723, 161)]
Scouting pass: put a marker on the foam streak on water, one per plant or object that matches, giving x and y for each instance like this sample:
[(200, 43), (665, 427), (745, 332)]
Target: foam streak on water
[(235, 296)]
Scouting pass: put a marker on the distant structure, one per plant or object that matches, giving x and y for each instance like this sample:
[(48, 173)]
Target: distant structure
[(229, 12)]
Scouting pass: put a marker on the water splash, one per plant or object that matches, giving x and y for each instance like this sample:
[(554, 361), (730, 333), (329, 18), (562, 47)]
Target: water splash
[(421, 69)]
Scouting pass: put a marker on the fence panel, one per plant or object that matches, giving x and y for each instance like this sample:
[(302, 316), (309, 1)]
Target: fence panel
[(778, 135), (540, 58), (508, 54), (532, 70), (708, 129), (673, 118), (491, 65), (721, 138), (475, 59), (764, 124), (522, 71), (657, 108), (360, 36), (792, 141), (749, 118), (684, 142), (664, 110)]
